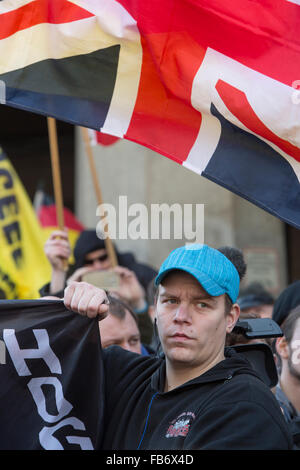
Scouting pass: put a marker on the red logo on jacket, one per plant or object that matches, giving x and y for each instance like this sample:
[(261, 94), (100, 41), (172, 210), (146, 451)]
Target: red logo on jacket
[(181, 425)]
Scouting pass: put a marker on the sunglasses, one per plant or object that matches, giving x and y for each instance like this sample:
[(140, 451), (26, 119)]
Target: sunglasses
[(100, 258)]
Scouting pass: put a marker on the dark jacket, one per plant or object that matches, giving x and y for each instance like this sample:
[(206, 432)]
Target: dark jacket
[(291, 415), (228, 407)]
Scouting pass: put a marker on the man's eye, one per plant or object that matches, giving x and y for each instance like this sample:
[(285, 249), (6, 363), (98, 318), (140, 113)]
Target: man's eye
[(169, 302), (202, 305), (133, 342)]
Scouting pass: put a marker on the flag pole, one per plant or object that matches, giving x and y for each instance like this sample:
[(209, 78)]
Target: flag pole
[(52, 134), (108, 243)]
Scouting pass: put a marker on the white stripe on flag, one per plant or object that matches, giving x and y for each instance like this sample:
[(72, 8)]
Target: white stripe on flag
[(119, 24), (10, 5), (271, 101), (57, 41)]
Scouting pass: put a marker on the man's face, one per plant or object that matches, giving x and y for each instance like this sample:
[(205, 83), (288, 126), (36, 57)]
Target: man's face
[(192, 325), (294, 353), (98, 259), (122, 332)]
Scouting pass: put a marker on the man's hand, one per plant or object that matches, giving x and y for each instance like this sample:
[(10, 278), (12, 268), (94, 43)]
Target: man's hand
[(57, 249), (86, 299), (129, 288)]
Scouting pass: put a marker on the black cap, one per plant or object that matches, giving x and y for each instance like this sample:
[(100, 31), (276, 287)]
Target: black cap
[(254, 300), (287, 300), (87, 242)]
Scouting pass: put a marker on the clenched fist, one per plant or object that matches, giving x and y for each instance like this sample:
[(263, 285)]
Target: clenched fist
[(86, 299)]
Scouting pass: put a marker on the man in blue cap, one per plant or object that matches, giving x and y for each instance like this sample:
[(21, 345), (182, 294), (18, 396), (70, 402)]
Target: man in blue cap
[(197, 395)]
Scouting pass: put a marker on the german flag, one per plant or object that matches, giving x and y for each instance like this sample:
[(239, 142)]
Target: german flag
[(46, 213)]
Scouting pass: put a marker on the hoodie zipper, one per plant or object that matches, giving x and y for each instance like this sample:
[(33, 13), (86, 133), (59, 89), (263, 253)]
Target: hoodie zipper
[(147, 419), (228, 378)]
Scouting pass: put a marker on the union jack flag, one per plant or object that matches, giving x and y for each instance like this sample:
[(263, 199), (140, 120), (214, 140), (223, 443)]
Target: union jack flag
[(212, 85)]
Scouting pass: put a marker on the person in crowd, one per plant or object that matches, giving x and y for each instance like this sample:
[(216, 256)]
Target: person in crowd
[(120, 328), (197, 395), (90, 255), (256, 299), (288, 389), (286, 301)]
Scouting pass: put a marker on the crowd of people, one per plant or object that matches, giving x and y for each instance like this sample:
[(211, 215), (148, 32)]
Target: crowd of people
[(174, 376)]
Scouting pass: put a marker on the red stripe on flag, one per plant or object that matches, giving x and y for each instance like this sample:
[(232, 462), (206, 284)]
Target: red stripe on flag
[(47, 218), (40, 11), (105, 139), (238, 104), (159, 116), (259, 34)]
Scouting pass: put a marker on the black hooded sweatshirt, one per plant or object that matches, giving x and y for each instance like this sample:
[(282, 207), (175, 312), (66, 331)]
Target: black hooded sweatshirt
[(227, 407)]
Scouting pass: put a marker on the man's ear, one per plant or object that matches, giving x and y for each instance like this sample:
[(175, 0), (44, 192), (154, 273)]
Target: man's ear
[(282, 347), (232, 317)]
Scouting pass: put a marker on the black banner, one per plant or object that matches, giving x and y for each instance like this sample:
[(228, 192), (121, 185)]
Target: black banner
[(51, 376)]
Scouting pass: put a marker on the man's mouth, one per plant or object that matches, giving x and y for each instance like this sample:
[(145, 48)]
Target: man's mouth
[(181, 336)]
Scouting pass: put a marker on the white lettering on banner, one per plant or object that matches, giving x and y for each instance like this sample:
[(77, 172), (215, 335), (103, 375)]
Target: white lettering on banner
[(64, 407), (2, 352), (270, 100), (43, 351), (49, 442)]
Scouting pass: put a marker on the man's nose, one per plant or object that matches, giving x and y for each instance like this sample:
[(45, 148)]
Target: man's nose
[(97, 264), (182, 313)]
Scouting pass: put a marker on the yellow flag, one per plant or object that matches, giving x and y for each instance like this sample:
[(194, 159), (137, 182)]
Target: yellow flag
[(24, 268)]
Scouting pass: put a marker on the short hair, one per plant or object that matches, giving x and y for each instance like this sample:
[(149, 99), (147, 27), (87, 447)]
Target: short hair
[(118, 308), (289, 324), (237, 259)]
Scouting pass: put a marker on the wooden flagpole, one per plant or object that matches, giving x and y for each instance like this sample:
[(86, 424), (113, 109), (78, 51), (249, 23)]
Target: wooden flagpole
[(56, 176), (108, 243)]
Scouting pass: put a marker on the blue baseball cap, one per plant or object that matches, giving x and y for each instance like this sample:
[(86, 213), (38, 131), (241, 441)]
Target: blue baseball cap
[(216, 274)]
